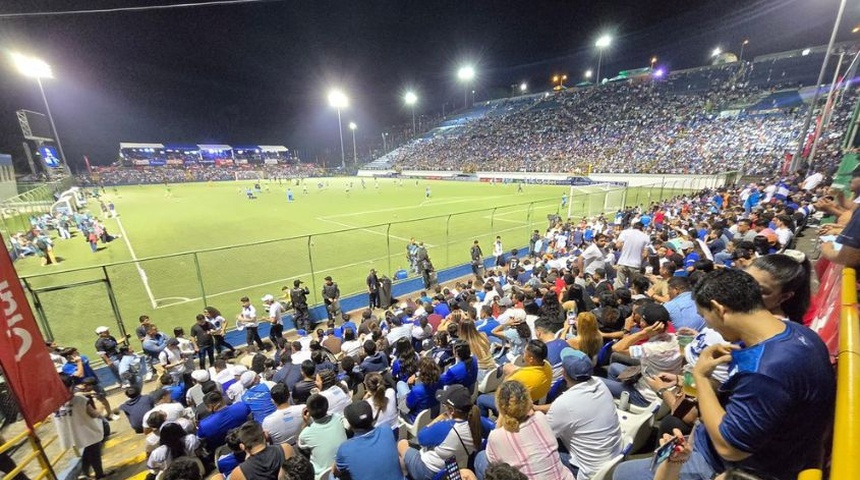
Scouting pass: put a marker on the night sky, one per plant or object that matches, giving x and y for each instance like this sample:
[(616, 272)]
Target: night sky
[(260, 72)]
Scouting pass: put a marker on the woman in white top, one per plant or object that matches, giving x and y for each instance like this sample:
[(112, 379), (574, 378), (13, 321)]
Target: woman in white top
[(79, 425), (382, 401)]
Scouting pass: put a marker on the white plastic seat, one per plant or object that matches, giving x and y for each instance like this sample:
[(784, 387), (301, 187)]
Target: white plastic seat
[(637, 424), (491, 380), (325, 475), (606, 469), (421, 420)]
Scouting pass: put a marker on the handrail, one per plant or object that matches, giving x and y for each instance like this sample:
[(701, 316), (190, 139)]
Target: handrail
[(846, 430)]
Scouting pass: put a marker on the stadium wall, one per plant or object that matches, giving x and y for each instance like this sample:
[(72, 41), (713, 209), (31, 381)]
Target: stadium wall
[(632, 180)]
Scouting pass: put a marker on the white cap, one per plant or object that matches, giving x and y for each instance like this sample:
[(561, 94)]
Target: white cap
[(238, 370), (268, 298), (102, 329), (200, 376), (248, 378)]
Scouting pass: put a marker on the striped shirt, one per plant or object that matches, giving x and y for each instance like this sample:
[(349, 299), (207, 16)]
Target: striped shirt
[(533, 450)]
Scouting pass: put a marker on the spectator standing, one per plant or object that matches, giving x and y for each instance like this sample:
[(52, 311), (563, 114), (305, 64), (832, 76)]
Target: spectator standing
[(331, 297), (201, 332), (107, 347), (247, 320), (632, 243), (79, 425), (372, 283)]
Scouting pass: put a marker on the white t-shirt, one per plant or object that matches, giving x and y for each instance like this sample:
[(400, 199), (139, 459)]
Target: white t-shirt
[(634, 242), (160, 458), (75, 427), (783, 235), (337, 399), (173, 410), (249, 313), (434, 458), (275, 311), (706, 338), (283, 425), (388, 417), (659, 354), (584, 418), (351, 348), (592, 259)]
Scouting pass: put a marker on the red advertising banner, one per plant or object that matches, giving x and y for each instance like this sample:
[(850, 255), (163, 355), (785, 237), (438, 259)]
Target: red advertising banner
[(29, 371)]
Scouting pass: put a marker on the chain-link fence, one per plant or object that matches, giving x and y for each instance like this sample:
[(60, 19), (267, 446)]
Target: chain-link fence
[(173, 289)]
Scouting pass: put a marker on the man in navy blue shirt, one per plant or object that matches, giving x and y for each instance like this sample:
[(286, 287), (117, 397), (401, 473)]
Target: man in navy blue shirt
[(213, 429), (465, 371), (773, 412)]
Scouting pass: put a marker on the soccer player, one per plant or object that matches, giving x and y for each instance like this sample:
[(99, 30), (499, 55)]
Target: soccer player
[(563, 200), (290, 194), (427, 192)]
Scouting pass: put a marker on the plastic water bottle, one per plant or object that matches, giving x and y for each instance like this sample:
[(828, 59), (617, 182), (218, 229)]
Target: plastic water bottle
[(625, 402)]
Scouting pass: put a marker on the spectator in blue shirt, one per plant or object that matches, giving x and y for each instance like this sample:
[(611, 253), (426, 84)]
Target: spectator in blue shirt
[(213, 429), (681, 306), (774, 411), (257, 396), (424, 384), (465, 371), (371, 453)]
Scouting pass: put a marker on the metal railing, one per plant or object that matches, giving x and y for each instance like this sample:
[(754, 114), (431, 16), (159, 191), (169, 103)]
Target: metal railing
[(70, 304)]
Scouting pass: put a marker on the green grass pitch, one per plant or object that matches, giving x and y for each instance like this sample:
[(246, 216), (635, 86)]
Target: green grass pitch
[(202, 216)]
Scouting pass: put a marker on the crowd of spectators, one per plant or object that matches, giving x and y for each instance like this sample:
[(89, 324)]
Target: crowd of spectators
[(697, 302), (198, 173), (692, 122)]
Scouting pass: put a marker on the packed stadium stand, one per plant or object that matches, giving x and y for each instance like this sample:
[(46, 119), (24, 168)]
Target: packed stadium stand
[(704, 120)]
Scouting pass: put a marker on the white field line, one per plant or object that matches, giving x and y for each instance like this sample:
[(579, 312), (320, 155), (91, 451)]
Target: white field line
[(281, 280), (140, 270), (433, 203)]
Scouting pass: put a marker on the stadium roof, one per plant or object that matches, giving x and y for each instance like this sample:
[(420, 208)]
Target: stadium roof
[(124, 145), (208, 146), (274, 148)]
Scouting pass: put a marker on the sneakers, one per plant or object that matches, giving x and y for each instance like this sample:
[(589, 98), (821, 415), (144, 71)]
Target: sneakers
[(114, 417), (149, 377)]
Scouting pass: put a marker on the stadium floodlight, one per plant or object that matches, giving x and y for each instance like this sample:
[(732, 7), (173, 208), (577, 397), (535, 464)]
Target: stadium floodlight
[(353, 126), (744, 43), (339, 100), (716, 53), (524, 87), (653, 62), (466, 74), (588, 73), (411, 99), (602, 43), (856, 29), (36, 68)]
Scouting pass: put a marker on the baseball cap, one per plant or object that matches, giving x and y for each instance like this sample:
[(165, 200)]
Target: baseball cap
[(268, 298), (238, 370), (200, 376), (102, 329), (576, 364), (296, 283), (247, 378), (686, 245), (359, 415), (328, 277), (456, 397)]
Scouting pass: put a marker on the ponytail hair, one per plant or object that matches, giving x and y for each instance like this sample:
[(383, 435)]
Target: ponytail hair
[(375, 385)]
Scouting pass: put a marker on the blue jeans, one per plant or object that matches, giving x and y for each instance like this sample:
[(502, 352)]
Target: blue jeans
[(402, 389), (203, 352), (696, 468), (481, 464), (486, 403), (617, 387), (565, 460)]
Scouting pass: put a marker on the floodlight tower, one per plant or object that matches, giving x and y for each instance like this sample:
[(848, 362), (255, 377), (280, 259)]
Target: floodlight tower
[(411, 99), (602, 43), (466, 74), (339, 100), (353, 126), (36, 68)]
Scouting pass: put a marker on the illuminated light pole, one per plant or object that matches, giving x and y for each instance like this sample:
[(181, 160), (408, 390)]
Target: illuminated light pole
[(559, 79), (524, 87), (338, 100), (38, 69), (588, 74), (743, 44), (353, 126), (716, 53), (466, 74), (602, 43), (653, 62), (411, 99)]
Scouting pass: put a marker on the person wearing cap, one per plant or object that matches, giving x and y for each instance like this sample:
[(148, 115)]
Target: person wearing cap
[(107, 348), (194, 395), (584, 418), (222, 418), (256, 396), (237, 388), (681, 306), (331, 297), (523, 438), (371, 453), (247, 317), (456, 432), (656, 350), (299, 297), (275, 312)]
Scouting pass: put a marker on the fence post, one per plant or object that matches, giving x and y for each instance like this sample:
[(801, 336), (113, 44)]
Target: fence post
[(113, 304), (493, 220), (200, 278), (40, 312), (311, 263), (529, 212), (388, 247)]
